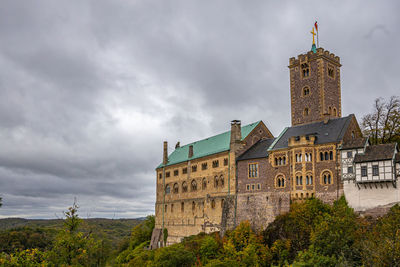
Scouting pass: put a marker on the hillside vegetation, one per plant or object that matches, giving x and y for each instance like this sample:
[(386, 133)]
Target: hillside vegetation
[(311, 234)]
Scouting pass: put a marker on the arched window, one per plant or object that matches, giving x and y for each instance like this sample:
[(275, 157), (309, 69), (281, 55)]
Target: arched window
[(176, 188), (297, 180), (330, 111), (280, 181), (307, 180), (300, 156), (280, 161), (310, 157), (284, 160), (326, 156), (306, 156), (182, 206), (334, 112), (216, 181), (184, 187), (193, 206), (306, 91), (204, 184), (306, 112), (311, 180), (222, 181), (321, 156), (326, 178), (213, 204), (276, 161), (331, 155), (194, 185), (301, 180), (167, 189)]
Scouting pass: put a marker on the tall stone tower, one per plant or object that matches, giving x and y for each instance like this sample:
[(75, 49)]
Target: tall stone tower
[(315, 87)]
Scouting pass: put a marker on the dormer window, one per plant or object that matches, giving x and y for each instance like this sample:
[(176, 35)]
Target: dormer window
[(305, 70)]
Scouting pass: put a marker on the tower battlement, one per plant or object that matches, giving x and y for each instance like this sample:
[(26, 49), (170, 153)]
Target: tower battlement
[(311, 56)]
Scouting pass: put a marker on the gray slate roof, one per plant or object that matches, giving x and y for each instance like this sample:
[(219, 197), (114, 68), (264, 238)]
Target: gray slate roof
[(376, 153), (354, 143), (258, 150), (331, 132)]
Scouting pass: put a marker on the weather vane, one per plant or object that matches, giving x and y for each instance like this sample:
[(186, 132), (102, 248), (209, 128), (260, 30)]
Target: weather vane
[(314, 47)]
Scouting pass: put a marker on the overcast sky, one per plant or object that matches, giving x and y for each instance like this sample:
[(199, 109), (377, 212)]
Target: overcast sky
[(90, 89)]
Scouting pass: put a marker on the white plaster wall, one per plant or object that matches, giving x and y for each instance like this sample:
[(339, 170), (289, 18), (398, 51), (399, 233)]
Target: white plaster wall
[(366, 198)]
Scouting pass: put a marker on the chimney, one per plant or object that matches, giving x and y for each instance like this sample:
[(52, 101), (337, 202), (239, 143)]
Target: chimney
[(236, 131), (165, 153), (190, 151)]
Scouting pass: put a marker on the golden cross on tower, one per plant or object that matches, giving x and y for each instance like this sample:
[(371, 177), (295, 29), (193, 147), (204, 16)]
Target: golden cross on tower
[(313, 34)]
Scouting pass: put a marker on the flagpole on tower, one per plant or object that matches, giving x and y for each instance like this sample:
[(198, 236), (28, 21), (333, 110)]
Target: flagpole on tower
[(316, 27)]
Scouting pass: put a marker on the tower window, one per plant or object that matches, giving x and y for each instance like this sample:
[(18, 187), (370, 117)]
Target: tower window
[(306, 91), (305, 70), (331, 72)]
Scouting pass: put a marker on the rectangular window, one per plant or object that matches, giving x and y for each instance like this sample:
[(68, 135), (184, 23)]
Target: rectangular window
[(204, 166), (350, 169), (252, 187), (375, 170), (363, 171), (167, 174), (225, 162), (253, 170), (184, 170), (248, 187), (258, 186), (160, 175), (194, 168), (176, 172), (349, 154), (215, 163)]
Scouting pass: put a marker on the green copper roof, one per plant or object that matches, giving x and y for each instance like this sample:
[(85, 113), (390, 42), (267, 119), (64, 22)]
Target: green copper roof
[(205, 147)]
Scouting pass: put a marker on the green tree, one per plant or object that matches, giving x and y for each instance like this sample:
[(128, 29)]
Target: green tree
[(142, 232), (336, 233), (72, 247), (382, 245), (175, 255)]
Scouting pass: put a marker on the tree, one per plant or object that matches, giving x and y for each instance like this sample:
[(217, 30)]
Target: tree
[(383, 124), (382, 245), (74, 248)]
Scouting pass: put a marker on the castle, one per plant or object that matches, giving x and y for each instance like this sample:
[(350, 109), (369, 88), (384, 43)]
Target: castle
[(248, 174)]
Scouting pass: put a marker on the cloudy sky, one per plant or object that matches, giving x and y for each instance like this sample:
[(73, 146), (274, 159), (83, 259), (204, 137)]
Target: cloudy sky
[(90, 89)]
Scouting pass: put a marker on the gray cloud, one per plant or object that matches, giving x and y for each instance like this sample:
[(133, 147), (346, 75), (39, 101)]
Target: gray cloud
[(90, 89)]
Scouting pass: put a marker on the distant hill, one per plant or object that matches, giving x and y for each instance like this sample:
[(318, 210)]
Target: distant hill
[(113, 229)]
